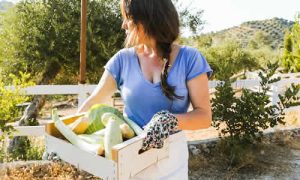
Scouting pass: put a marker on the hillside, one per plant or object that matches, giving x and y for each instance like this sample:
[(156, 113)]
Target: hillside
[(273, 29)]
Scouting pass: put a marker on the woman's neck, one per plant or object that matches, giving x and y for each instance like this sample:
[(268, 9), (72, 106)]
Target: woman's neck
[(148, 50)]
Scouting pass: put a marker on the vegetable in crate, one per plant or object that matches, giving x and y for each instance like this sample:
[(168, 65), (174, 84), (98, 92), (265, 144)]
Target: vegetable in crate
[(91, 121), (73, 138), (96, 137), (127, 132), (80, 125), (113, 136), (92, 138), (98, 116), (136, 128), (94, 115)]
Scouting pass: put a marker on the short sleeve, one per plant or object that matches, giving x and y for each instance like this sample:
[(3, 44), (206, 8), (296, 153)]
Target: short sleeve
[(114, 67), (197, 65)]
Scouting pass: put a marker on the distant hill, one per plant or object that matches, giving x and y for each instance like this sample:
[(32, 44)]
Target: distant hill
[(274, 29), (4, 5)]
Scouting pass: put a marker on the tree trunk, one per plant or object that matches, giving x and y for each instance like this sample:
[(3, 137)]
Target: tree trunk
[(18, 145)]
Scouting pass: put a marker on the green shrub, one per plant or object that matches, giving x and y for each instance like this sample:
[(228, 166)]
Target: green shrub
[(247, 116), (243, 117), (9, 100), (34, 151)]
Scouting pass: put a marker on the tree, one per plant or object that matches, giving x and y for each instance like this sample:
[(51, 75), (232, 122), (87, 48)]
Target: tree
[(228, 59), (190, 17), (204, 41), (291, 51), (265, 54), (42, 37), (262, 39)]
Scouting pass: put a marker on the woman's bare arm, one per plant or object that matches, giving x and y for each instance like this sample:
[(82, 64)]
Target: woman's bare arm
[(201, 116), (104, 90)]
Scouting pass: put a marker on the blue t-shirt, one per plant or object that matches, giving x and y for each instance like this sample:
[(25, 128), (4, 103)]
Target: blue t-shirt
[(142, 99)]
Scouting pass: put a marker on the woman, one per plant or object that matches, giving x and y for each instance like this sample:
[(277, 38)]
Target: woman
[(158, 79)]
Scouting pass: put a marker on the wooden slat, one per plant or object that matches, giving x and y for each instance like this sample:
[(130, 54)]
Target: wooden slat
[(28, 131), (51, 129), (56, 89), (130, 162), (94, 164), (77, 89)]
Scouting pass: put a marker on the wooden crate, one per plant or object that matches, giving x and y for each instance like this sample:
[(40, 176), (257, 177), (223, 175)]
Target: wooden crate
[(126, 162)]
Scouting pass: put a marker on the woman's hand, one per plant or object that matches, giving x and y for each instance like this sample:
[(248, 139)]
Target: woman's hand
[(161, 126)]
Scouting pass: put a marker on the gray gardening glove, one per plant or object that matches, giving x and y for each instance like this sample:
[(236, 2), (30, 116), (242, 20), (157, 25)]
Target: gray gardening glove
[(161, 126)]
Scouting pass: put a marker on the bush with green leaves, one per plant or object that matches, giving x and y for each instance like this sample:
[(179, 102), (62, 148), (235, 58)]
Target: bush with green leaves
[(35, 146), (10, 98), (291, 50), (228, 59), (246, 116), (241, 116)]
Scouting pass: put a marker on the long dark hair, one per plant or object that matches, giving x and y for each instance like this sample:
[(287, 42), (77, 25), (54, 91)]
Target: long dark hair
[(160, 21)]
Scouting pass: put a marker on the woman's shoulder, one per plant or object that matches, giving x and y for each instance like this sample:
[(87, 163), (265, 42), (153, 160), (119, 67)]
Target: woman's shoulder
[(195, 62), (190, 54), (190, 50), (126, 52), (123, 56)]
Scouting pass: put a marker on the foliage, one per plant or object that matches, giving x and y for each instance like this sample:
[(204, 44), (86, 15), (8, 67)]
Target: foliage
[(35, 146), (229, 59), (203, 41), (259, 40), (265, 54), (247, 115), (36, 32), (10, 98), (291, 54), (190, 17)]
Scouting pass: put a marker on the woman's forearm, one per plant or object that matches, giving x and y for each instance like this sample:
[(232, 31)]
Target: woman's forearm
[(92, 100), (102, 94), (194, 120), (86, 105)]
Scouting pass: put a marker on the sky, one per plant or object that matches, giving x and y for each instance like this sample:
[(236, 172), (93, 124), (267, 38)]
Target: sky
[(222, 14)]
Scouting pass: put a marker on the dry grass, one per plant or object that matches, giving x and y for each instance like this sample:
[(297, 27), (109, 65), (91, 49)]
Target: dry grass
[(38, 170)]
